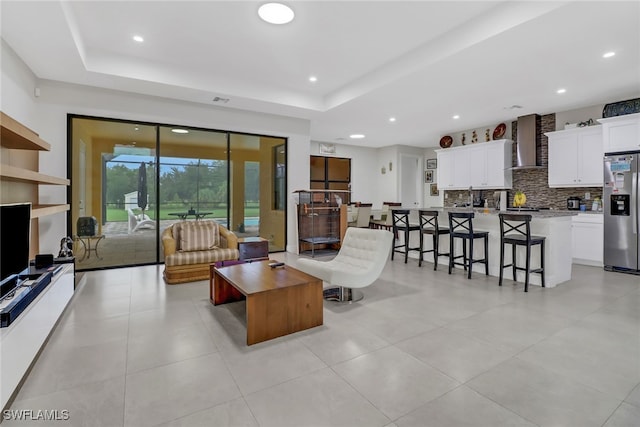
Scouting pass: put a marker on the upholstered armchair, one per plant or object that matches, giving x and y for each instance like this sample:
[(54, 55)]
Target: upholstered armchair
[(190, 247)]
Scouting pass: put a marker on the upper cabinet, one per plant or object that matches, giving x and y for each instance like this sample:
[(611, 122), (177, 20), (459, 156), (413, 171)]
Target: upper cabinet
[(621, 133), (482, 165), (575, 157), (19, 167)]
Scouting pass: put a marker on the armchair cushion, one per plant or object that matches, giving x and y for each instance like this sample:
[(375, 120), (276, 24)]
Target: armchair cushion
[(198, 236)]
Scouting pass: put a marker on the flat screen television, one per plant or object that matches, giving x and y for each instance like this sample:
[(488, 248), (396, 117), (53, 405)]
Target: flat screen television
[(15, 236)]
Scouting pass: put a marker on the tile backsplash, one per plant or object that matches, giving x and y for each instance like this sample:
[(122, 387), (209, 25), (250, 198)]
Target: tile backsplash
[(533, 182)]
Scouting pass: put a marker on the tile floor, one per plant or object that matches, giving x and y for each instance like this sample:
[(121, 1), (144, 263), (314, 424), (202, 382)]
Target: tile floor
[(423, 348)]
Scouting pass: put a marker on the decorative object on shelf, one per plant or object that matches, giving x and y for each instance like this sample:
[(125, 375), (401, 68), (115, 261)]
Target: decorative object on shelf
[(586, 123), (487, 138), (327, 148), (432, 163), (621, 108), (474, 137), (464, 139), (383, 170), (434, 190), (446, 141), (499, 131), (428, 176)]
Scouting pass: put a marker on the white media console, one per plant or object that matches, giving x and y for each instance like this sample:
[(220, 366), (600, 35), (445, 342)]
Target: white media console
[(21, 341)]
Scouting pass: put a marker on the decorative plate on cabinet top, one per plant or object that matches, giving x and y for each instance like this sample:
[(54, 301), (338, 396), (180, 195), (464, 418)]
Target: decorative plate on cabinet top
[(499, 131), (446, 141)]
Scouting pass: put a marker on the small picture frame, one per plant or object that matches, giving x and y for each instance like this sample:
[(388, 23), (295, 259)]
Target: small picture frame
[(428, 176), (327, 148), (432, 163), (434, 190)]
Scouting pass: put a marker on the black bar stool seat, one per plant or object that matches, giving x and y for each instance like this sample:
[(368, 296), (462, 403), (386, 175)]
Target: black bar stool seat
[(461, 227), (520, 228), (401, 224), (429, 225)]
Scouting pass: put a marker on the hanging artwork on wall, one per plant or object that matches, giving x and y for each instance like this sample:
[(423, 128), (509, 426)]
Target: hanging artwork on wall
[(327, 148), (428, 176), (432, 163), (434, 190)]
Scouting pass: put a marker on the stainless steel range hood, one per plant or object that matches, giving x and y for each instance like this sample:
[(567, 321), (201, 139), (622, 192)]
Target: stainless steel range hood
[(528, 143)]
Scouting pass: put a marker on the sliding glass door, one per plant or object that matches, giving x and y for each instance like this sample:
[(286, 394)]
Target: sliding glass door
[(136, 179)]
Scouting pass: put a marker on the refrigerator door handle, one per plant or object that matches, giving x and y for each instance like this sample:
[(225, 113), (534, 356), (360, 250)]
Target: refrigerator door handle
[(634, 194)]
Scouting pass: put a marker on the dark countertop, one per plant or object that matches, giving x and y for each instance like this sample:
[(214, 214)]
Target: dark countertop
[(551, 213)]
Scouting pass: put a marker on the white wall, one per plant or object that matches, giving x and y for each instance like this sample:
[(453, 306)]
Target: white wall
[(48, 116)]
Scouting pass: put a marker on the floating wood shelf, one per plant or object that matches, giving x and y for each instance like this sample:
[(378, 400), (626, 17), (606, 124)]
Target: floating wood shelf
[(17, 136), (21, 166), (12, 173), (38, 211)]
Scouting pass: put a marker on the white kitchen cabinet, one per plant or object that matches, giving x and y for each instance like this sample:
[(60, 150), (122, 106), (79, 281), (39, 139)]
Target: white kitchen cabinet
[(445, 169), (489, 165), (621, 133), (587, 231), (483, 165), (575, 157)]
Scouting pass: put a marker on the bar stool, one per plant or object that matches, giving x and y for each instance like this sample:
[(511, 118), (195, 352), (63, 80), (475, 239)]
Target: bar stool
[(514, 223), (461, 227), (429, 225), (401, 223)]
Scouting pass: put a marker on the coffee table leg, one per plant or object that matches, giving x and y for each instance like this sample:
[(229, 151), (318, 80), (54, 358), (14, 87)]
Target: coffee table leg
[(223, 291), (283, 311)]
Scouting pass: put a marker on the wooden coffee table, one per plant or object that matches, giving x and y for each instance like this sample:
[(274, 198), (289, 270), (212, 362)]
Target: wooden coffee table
[(280, 301)]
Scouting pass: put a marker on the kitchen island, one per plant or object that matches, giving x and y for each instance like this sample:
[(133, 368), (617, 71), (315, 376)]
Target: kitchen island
[(552, 224)]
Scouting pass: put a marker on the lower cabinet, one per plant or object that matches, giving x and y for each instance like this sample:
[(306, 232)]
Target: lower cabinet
[(21, 341), (587, 231)]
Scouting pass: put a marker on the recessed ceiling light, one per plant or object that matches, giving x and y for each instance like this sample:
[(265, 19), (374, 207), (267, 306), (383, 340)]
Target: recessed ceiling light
[(561, 91), (456, 117), (392, 119), (276, 13), (609, 54), (356, 136), (313, 79), (179, 131), (138, 39)]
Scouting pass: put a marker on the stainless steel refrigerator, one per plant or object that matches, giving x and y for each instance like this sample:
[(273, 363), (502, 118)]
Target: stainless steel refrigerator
[(621, 207)]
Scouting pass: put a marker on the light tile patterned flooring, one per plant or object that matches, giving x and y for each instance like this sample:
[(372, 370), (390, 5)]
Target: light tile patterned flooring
[(423, 348)]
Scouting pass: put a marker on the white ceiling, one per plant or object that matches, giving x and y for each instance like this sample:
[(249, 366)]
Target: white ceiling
[(419, 61)]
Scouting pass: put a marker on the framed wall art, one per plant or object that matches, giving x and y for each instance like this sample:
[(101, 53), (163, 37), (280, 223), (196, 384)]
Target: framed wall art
[(434, 190), (327, 148), (432, 163), (428, 176)]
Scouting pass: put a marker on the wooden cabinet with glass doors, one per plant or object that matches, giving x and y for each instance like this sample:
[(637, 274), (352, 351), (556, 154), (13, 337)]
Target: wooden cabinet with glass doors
[(322, 220)]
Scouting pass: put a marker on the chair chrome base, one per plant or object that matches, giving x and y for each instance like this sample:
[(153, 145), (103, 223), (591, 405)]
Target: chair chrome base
[(342, 295)]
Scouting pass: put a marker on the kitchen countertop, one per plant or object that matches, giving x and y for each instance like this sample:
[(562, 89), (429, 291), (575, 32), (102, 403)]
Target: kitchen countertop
[(551, 213)]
